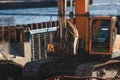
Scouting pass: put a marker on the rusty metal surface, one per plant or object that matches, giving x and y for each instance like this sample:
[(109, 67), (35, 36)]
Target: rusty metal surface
[(20, 33)]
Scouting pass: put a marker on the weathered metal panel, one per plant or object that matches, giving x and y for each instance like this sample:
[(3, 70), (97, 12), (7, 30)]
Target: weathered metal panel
[(43, 30)]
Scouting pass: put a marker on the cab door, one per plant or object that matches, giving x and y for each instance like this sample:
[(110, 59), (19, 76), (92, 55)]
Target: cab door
[(101, 35)]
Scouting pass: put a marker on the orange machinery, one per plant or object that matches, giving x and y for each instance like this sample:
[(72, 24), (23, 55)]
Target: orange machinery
[(95, 32), (97, 35)]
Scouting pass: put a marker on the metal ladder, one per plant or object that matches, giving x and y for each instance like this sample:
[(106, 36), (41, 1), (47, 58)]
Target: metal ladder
[(36, 47)]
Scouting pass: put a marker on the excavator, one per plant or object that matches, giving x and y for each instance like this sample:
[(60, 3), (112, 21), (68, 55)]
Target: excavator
[(83, 46)]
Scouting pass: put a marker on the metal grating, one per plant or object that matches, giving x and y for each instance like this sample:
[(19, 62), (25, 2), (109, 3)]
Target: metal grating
[(39, 44)]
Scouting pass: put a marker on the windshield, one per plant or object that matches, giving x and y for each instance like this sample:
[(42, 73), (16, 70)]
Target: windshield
[(100, 35)]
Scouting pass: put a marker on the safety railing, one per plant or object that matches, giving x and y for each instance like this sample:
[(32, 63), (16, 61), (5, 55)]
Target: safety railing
[(20, 33)]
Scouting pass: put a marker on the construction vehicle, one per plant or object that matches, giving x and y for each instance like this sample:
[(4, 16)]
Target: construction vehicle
[(92, 55)]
